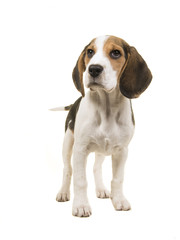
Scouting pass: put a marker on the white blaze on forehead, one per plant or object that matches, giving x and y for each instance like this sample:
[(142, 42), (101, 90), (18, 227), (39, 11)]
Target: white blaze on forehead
[(99, 56), (100, 42)]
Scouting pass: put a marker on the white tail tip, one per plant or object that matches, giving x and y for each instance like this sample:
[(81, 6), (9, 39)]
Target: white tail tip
[(57, 109)]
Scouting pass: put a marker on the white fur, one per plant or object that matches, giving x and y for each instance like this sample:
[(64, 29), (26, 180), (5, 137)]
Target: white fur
[(104, 126), (57, 109), (101, 191), (64, 193)]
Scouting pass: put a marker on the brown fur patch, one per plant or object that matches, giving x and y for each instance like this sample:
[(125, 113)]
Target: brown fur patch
[(114, 43), (90, 46), (80, 67)]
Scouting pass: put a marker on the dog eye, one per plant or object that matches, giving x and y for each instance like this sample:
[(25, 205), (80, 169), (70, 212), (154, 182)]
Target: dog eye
[(90, 53), (115, 54)]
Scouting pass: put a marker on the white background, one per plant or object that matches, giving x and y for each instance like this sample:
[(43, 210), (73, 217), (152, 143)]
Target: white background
[(40, 41)]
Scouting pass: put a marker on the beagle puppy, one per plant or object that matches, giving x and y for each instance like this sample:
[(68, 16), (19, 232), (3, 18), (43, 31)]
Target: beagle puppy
[(102, 120)]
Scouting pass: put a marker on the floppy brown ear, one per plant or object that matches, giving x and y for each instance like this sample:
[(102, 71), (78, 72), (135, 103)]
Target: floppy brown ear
[(77, 74), (136, 76)]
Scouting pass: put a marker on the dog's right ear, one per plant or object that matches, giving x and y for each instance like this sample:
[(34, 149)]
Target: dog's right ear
[(77, 74)]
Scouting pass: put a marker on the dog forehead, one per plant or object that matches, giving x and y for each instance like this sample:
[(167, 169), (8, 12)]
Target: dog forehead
[(100, 42), (103, 41), (103, 44)]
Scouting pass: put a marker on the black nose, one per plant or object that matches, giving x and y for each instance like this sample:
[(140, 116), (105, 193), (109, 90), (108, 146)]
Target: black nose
[(95, 70)]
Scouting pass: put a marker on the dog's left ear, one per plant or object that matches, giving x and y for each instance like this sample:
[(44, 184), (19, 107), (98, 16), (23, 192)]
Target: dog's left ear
[(136, 75), (77, 74)]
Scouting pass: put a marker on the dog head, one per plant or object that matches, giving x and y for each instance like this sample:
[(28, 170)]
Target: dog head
[(109, 61)]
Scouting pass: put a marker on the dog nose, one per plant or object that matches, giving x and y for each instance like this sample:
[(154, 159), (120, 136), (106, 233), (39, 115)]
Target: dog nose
[(95, 70)]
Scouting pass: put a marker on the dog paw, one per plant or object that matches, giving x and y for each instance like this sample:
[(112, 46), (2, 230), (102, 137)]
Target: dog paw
[(121, 204), (62, 197), (81, 208), (102, 193), (81, 211)]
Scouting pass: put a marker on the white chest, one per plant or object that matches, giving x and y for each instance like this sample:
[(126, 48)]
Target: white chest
[(109, 138)]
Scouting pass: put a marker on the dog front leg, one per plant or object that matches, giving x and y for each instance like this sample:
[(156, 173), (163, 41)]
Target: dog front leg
[(81, 207), (118, 163)]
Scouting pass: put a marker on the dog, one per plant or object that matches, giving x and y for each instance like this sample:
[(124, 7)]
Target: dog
[(101, 120)]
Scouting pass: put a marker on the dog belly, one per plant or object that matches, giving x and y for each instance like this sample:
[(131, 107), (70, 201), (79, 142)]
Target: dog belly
[(106, 149)]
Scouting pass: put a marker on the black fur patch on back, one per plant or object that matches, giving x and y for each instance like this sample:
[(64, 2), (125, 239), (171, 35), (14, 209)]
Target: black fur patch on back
[(71, 117)]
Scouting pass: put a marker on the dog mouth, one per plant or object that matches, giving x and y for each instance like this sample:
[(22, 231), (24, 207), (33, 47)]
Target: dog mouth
[(93, 85)]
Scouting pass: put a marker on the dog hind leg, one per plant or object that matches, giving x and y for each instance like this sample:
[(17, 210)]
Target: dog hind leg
[(64, 193), (101, 191)]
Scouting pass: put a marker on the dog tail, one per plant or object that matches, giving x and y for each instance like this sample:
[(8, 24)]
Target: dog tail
[(67, 108)]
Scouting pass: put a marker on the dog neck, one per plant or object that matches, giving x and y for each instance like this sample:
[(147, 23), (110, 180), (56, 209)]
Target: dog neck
[(108, 102)]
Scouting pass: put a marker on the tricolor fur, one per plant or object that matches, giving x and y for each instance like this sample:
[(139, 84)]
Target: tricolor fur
[(102, 120)]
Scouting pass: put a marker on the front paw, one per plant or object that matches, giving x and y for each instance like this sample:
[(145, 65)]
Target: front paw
[(81, 209), (121, 203)]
